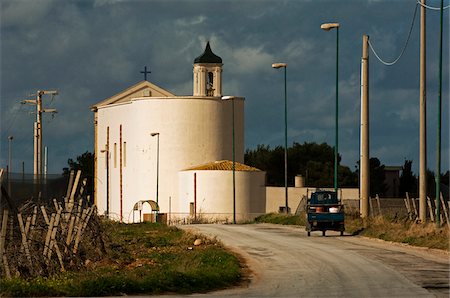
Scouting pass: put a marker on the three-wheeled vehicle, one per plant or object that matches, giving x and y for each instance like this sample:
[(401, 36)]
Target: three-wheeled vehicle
[(324, 211)]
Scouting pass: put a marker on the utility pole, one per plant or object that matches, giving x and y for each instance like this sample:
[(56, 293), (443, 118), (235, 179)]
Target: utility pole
[(439, 119), (45, 161), (364, 150), (38, 128), (423, 119)]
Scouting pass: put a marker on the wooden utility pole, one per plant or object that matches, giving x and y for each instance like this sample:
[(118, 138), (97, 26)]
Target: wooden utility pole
[(423, 119), (38, 128), (364, 150)]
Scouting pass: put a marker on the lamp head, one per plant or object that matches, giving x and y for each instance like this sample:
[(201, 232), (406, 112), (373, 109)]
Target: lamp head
[(279, 65), (329, 26), (228, 97)]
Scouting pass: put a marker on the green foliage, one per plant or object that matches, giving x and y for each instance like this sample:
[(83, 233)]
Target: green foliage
[(408, 181), (147, 258), (85, 163), (377, 178), (431, 184), (314, 161)]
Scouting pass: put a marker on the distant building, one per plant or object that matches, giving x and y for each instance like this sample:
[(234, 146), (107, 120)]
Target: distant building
[(190, 131)]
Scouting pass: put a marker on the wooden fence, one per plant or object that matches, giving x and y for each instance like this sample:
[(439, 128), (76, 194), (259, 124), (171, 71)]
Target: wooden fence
[(41, 238)]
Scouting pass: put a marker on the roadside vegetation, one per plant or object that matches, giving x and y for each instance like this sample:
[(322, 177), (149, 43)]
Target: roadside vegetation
[(401, 230), (389, 229), (146, 258)]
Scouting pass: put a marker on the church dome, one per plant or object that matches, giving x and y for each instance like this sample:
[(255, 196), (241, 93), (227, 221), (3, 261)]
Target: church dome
[(208, 56)]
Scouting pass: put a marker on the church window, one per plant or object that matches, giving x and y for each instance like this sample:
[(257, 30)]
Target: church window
[(115, 155), (191, 209), (210, 80), (210, 84)]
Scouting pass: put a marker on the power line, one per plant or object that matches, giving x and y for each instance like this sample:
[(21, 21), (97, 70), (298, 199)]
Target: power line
[(431, 7), (404, 47), (13, 120)]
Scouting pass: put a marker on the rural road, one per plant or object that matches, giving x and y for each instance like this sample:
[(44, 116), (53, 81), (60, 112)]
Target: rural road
[(286, 263)]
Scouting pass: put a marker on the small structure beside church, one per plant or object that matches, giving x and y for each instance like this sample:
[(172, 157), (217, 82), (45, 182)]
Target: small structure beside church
[(147, 139), (207, 189)]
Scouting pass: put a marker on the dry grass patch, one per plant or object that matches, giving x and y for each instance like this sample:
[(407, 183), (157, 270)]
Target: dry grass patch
[(404, 231)]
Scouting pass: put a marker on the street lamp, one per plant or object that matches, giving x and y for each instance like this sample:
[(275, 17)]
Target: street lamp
[(284, 65), (106, 151), (328, 27), (10, 138), (157, 169), (232, 98)]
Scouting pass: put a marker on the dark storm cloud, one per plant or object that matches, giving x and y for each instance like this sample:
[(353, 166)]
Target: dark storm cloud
[(90, 50)]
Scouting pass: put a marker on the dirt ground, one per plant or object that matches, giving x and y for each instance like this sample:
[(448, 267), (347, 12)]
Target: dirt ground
[(284, 262)]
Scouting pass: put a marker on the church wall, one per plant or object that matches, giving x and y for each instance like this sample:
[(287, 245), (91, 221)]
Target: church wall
[(192, 131), (112, 118), (215, 194)]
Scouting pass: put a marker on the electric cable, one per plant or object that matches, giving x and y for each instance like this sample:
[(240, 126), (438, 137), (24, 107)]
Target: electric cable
[(431, 7), (14, 117), (404, 47)]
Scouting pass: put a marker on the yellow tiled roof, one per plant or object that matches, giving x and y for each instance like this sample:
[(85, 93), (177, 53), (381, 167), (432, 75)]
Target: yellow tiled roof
[(223, 165)]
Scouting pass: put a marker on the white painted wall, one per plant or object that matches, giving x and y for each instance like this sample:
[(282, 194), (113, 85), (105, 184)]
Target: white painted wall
[(193, 131), (215, 194)]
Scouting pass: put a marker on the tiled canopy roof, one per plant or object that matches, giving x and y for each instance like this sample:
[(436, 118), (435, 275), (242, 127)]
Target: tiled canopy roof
[(224, 165)]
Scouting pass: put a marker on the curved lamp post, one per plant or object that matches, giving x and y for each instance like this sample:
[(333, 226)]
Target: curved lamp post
[(232, 98), (276, 66), (328, 27)]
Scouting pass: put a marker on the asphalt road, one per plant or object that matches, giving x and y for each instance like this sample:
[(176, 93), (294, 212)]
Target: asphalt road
[(284, 262)]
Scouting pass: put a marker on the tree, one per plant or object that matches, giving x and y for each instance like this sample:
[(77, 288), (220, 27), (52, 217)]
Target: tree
[(85, 163), (408, 181), (268, 160), (377, 177), (431, 184), (314, 161)]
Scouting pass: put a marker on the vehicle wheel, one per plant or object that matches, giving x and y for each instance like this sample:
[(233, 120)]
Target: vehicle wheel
[(309, 233), (342, 233), (323, 233)]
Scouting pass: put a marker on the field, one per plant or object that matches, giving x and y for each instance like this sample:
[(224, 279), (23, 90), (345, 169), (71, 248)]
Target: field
[(141, 258)]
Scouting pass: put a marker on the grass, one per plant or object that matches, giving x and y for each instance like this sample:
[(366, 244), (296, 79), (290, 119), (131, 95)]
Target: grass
[(401, 230), (141, 259), (281, 219), (389, 229)]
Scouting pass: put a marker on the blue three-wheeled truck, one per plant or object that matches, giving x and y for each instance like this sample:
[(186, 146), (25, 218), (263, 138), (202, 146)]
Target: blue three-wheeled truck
[(324, 212)]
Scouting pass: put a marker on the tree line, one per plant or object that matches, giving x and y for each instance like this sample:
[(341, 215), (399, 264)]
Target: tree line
[(315, 162)]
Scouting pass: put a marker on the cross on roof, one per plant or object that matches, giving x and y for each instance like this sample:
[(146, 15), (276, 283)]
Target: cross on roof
[(145, 72)]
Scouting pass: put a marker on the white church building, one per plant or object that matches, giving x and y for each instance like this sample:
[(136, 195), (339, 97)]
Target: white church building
[(175, 152)]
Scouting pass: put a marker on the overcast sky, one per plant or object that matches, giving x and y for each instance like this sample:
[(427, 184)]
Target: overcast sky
[(90, 50)]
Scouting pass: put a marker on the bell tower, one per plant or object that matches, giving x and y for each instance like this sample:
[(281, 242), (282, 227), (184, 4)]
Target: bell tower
[(208, 74)]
